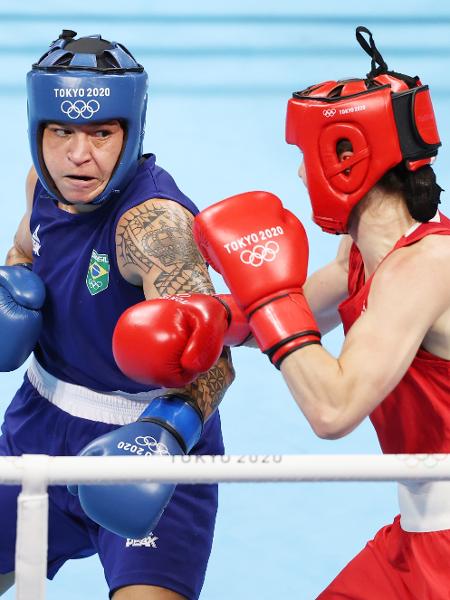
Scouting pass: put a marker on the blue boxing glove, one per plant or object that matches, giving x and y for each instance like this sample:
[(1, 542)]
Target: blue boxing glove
[(22, 295), (169, 425)]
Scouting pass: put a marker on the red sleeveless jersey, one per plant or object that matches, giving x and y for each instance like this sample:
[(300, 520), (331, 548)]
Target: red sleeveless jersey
[(415, 416)]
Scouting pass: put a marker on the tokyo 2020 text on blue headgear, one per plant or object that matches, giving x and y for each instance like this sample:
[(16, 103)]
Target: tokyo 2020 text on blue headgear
[(86, 80)]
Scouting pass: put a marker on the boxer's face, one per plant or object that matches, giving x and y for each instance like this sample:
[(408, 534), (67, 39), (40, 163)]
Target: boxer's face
[(81, 158), (302, 173)]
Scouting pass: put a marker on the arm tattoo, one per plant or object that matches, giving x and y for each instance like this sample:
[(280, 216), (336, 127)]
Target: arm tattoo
[(157, 237), (209, 389)]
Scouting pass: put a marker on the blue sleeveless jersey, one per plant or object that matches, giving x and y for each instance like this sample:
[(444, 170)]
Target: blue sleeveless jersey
[(75, 255)]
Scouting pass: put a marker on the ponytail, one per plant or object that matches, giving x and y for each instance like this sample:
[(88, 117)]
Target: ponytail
[(419, 188), (422, 193)]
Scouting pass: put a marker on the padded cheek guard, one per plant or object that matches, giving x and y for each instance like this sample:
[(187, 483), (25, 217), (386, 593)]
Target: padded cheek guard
[(388, 118)]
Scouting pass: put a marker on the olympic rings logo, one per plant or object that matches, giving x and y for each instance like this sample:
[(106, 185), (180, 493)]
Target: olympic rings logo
[(80, 108), (329, 112), (151, 444), (429, 461), (260, 254)]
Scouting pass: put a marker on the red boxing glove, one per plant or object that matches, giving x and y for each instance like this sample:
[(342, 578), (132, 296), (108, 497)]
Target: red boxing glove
[(261, 250), (169, 341)]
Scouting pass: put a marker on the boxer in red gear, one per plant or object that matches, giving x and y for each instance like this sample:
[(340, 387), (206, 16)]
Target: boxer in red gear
[(367, 145)]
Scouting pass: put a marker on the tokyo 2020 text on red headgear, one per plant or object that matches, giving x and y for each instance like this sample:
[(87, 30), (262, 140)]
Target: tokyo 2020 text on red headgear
[(387, 117)]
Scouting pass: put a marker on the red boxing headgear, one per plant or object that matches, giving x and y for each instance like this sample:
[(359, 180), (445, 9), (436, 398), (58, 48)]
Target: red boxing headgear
[(388, 118)]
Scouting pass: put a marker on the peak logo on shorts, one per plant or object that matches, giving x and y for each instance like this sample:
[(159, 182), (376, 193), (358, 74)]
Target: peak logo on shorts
[(36, 241), (97, 278), (148, 542)]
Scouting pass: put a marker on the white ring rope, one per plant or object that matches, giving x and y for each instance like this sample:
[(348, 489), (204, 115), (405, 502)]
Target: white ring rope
[(36, 472), (59, 470)]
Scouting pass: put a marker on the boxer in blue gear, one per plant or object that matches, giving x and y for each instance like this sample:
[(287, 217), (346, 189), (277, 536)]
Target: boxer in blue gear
[(105, 228)]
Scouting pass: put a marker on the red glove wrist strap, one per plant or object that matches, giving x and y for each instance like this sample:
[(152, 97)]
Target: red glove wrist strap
[(238, 330), (277, 356), (283, 324)]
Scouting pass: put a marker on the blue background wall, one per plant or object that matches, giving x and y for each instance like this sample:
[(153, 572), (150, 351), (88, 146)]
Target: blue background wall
[(220, 75)]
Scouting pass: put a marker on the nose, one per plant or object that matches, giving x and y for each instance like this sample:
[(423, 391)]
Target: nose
[(79, 150), (302, 172)]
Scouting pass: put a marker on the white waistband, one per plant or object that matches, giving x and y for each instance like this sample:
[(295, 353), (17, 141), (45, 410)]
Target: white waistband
[(116, 408), (424, 506)]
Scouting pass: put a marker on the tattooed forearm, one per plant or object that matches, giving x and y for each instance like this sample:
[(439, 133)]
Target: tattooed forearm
[(187, 280), (209, 389), (156, 248), (156, 237)]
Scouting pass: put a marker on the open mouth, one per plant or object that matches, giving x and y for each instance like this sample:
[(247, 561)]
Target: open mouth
[(80, 177)]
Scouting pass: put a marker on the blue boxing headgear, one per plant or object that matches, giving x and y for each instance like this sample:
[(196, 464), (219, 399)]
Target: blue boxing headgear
[(86, 80)]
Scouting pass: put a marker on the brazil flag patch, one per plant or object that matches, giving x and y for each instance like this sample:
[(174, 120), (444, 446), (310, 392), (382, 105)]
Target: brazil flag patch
[(97, 278)]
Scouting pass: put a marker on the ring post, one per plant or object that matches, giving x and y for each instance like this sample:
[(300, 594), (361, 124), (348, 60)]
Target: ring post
[(32, 529)]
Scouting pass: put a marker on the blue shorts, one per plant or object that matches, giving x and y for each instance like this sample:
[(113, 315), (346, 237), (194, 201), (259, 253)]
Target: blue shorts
[(174, 556)]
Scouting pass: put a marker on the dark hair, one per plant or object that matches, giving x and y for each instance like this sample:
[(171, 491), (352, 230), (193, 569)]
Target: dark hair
[(418, 188)]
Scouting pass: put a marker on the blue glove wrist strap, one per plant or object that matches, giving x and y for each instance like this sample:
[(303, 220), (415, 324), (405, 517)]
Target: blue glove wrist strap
[(179, 415)]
